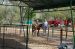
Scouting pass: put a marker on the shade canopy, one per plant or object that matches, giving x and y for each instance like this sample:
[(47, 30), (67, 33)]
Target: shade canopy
[(47, 4)]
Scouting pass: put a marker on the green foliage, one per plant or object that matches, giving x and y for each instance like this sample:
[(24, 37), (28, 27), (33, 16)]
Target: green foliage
[(29, 13), (2, 12), (56, 14), (9, 14)]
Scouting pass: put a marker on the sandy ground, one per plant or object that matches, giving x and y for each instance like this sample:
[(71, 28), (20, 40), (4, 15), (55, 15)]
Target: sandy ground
[(34, 46), (38, 42)]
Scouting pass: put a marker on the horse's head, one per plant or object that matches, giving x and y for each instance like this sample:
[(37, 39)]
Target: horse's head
[(40, 25)]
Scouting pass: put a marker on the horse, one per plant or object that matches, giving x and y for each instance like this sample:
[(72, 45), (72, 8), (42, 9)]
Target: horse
[(36, 27)]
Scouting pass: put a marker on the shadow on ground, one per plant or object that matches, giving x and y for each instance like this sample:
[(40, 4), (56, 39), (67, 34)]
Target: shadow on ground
[(11, 43)]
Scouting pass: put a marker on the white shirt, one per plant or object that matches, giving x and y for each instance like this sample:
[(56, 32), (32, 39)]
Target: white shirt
[(45, 23)]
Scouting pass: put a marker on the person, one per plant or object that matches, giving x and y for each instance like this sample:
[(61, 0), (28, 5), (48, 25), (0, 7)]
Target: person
[(38, 27), (34, 28), (45, 26)]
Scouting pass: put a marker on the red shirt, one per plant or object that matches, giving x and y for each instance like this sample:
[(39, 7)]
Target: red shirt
[(51, 22), (56, 22), (66, 22)]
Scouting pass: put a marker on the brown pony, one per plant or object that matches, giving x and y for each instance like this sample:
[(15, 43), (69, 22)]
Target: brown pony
[(36, 27)]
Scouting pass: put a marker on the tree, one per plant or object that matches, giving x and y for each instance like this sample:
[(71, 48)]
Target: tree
[(9, 14), (28, 12)]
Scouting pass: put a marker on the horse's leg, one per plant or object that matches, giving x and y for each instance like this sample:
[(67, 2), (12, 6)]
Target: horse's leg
[(44, 31), (32, 32), (35, 32), (38, 32)]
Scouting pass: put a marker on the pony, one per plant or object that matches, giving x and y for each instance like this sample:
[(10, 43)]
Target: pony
[(36, 27)]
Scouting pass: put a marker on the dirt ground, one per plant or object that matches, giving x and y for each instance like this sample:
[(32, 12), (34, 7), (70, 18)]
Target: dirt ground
[(38, 42)]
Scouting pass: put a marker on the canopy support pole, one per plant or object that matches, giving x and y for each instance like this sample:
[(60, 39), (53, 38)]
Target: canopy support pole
[(27, 34), (72, 22)]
